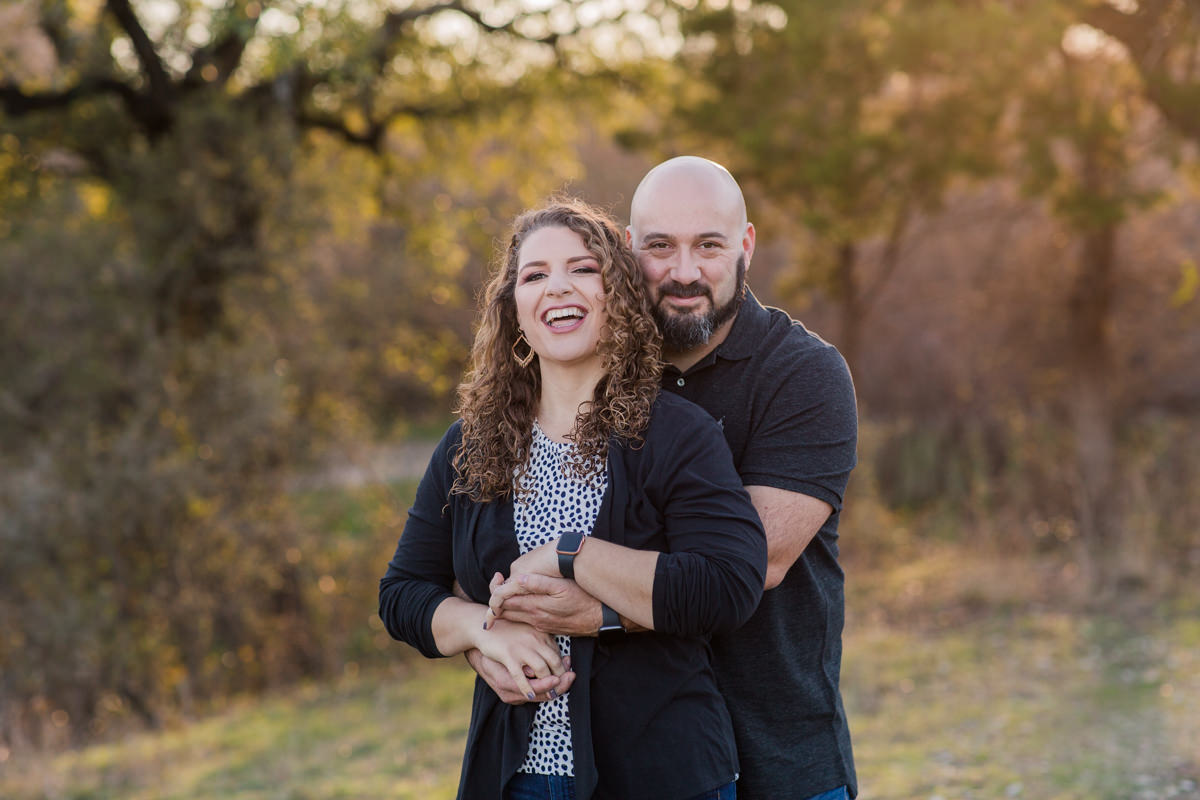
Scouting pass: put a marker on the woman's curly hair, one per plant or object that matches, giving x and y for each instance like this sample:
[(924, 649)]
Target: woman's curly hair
[(498, 400)]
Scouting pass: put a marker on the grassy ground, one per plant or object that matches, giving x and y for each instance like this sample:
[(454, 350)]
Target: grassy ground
[(968, 674), (392, 735), (1029, 704)]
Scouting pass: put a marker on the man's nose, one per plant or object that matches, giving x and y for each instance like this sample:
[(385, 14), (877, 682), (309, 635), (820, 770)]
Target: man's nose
[(686, 269)]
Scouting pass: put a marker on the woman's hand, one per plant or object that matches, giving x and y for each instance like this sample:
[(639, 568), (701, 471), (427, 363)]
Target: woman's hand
[(522, 651), (538, 561)]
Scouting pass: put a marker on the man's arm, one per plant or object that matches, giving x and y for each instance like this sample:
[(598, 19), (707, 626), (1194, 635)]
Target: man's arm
[(556, 605), (624, 577), (791, 520)]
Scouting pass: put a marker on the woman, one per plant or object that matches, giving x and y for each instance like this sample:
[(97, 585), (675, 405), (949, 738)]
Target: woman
[(567, 451)]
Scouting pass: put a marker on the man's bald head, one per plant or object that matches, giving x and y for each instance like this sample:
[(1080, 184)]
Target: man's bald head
[(689, 231), (699, 180)]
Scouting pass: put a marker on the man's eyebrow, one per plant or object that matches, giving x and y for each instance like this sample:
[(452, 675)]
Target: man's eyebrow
[(649, 237), (654, 235)]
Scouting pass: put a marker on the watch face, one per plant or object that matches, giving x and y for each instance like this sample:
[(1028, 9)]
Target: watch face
[(570, 543)]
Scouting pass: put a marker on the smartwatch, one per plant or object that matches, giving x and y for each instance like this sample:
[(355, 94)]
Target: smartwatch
[(569, 545), (610, 624)]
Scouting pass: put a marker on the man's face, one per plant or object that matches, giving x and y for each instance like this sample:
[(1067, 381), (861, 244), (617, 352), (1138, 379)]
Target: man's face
[(694, 253)]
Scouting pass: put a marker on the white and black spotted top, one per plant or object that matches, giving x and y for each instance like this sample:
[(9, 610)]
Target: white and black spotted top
[(554, 504)]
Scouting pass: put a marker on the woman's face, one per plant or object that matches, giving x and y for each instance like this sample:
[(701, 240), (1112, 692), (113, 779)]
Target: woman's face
[(560, 297)]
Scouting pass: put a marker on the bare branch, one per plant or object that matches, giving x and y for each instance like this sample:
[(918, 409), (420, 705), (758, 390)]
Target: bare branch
[(16, 102), (224, 54), (156, 74)]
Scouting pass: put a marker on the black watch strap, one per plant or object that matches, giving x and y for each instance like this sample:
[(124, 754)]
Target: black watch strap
[(610, 624), (569, 545)]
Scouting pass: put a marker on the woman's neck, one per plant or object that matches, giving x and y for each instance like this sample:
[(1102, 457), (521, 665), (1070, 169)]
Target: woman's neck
[(565, 391)]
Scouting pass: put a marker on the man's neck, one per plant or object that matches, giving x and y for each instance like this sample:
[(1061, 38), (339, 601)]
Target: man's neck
[(685, 360)]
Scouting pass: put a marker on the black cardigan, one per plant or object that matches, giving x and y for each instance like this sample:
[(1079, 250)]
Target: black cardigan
[(647, 719)]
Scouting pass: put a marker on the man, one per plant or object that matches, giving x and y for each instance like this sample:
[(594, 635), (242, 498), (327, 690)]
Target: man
[(786, 403)]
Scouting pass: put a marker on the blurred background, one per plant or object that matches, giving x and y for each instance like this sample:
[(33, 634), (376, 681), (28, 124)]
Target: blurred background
[(240, 242)]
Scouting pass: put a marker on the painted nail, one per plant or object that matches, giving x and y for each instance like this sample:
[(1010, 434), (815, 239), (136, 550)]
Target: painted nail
[(485, 625), (529, 695), (553, 694)]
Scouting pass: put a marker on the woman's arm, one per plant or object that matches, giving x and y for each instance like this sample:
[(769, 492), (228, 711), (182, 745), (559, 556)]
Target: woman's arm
[(416, 601)]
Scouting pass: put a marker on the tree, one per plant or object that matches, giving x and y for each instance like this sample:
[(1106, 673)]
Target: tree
[(853, 117), (227, 235)]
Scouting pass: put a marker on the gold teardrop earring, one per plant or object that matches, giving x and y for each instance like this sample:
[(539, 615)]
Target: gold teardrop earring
[(528, 357)]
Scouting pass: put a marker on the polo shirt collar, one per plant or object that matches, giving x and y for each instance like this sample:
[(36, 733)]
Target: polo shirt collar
[(749, 327)]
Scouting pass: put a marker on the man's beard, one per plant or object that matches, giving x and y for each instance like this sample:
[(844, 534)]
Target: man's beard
[(682, 332)]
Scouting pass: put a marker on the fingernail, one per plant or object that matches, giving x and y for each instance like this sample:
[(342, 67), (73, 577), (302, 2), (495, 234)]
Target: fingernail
[(485, 625), (553, 694), (567, 662), (529, 695)]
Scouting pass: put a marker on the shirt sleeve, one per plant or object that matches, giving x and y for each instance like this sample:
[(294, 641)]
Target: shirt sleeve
[(710, 580), (421, 573), (807, 434)]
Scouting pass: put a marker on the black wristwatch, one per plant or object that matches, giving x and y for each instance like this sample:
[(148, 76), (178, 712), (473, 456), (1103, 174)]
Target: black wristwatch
[(569, 545), (610, 624)]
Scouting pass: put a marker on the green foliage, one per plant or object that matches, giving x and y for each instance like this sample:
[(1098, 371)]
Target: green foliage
[(849, 115), (234, 239)]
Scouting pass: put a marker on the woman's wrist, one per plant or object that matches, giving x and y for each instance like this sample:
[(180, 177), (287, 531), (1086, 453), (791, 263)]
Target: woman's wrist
[(457, 625)]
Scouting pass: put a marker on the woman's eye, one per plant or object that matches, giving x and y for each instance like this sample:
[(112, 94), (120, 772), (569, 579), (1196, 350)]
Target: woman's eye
[(586, 270), (532, 276)]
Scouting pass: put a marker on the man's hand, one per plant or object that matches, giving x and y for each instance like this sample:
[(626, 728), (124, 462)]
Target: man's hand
[(496, 676), (551, 605)]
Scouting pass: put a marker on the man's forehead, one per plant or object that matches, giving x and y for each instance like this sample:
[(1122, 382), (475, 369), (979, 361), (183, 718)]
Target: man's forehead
[(686, 220)]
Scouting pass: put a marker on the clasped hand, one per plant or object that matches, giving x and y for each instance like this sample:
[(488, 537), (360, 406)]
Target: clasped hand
[(537, 595)]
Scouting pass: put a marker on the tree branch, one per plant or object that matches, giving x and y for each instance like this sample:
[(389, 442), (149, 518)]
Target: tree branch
[(17, 103), (1177, 100), (156, 74), (225, 53)]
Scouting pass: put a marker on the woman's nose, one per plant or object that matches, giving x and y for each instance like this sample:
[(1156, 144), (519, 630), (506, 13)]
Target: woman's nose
[(558, 283)]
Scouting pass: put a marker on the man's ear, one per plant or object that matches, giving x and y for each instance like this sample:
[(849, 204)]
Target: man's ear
[(748, 243)]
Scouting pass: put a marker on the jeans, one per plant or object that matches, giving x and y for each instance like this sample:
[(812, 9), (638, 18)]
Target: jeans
[(726, 792), (527, 786), (839, 793)]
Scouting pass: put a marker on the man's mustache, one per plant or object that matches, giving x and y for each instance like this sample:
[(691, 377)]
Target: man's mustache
[(676, 289)]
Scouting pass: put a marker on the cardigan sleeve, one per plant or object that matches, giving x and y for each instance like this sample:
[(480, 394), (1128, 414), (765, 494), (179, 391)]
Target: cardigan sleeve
[(711, 577), (421, 573)]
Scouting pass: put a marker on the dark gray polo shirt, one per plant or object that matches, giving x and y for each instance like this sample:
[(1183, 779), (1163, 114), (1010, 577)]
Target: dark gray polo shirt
[(786, 403)]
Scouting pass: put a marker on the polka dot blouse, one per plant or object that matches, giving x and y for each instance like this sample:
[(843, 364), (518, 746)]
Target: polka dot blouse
[(556, 503)]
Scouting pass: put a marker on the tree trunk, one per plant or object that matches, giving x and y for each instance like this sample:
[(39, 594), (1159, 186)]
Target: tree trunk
[(1092, 412), (851, 307)]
